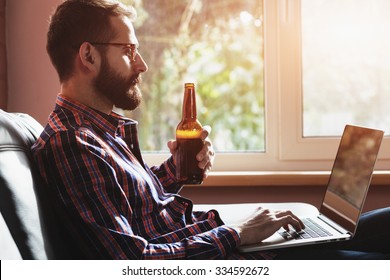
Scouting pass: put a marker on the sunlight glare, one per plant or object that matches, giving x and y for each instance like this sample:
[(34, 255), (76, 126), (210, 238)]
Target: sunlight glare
[(246, 18)]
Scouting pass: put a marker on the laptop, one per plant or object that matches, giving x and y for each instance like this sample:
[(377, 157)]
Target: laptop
[(344, 198)]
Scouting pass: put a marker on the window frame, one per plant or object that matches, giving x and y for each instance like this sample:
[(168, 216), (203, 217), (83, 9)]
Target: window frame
[(294, 146), (285, 147)]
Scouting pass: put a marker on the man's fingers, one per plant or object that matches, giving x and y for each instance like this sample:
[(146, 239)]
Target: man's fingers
[(290, 220), (206, 132)]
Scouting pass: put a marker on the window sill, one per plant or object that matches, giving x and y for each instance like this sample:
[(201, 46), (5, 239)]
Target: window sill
[(280, 178)]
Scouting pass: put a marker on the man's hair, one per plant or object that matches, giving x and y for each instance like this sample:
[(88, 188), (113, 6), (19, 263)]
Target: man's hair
[(77, 21)]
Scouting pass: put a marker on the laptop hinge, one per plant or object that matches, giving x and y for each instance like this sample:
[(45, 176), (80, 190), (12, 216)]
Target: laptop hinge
[(332, 224)]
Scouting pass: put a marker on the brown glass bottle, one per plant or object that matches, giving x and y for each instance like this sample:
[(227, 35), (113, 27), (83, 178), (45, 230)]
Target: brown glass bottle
[(188, 133)]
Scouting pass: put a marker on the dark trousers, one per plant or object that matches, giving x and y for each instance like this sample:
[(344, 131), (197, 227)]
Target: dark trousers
[(372, 241)]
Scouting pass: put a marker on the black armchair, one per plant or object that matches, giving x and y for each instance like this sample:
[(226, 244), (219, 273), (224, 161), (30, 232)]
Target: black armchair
[(28, 228)]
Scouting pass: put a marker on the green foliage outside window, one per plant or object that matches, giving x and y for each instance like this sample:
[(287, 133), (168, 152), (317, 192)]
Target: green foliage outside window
[(216, 44)]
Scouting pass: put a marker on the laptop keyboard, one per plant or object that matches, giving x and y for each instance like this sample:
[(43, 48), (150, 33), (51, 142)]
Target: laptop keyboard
[(311, 230)]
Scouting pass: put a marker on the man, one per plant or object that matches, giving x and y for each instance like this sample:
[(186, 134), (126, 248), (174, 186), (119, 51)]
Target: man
[(115, 206)]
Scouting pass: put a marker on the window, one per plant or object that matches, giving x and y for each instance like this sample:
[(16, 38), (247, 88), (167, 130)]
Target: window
[(266, 77), (216, 44), (330, 76), (344, 53)]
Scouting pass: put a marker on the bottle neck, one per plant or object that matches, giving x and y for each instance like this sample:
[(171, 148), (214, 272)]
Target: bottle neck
[(189, 104)]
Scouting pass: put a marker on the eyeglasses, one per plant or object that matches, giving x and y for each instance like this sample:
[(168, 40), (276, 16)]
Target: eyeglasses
[(132, 48)]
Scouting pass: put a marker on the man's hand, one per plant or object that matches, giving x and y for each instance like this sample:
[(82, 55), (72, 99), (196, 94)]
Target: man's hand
[(264, 223), (206, 154)]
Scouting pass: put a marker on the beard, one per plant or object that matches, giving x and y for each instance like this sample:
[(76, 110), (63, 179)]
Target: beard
[(122, 92)]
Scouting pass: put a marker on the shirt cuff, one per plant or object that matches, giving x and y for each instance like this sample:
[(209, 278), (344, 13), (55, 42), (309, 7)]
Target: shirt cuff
[(170, 182)]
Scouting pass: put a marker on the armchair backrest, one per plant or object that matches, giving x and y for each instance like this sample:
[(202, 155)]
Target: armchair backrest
[(20, 217)]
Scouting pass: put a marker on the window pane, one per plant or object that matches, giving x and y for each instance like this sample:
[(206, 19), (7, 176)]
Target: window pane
[(216, 44), (346, 65)]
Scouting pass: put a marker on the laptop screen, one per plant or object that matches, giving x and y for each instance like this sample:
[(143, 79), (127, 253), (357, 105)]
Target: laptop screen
[(351, 175)]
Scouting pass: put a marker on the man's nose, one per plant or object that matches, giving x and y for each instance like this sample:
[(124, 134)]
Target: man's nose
[(140, 64)]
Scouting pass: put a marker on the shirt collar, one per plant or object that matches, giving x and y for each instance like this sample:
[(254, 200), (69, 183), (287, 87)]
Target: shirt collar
[(111, 123)]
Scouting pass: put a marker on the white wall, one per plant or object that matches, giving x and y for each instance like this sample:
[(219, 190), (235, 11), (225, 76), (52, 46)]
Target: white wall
[(32, 80)]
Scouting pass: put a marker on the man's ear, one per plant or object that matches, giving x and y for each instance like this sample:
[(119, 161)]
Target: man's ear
[(88, 55)]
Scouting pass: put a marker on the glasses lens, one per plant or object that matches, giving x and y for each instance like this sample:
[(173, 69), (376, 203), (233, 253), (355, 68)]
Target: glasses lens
[(133, 52)]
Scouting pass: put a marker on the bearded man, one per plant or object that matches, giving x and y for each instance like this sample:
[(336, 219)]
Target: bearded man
[(110, 204)]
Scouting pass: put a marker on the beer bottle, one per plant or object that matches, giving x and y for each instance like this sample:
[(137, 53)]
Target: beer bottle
[(188, 139)]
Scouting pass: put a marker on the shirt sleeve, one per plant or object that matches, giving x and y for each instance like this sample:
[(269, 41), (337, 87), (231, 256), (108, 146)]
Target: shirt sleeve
[(87, 186), (166, 174)]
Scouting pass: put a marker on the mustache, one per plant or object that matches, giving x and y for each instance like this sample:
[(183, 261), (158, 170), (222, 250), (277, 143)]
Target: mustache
[(135, 79)]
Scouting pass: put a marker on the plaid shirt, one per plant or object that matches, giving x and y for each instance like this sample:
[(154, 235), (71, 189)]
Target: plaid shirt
[(121, 208)]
